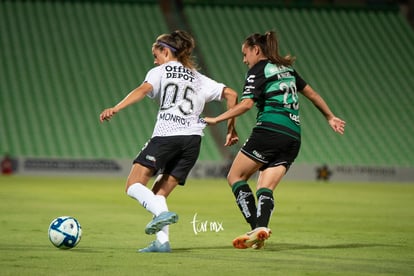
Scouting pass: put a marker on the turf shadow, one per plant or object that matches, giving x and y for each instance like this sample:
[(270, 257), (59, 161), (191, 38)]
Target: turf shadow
[(296, 246), (291, 246)]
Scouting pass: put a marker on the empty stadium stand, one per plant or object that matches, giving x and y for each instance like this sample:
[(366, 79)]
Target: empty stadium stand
[(359, 60), (62, 62)]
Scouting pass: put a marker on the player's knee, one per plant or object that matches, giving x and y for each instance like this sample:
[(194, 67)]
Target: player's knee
[(232, 178), (128, 184), (130, 181)]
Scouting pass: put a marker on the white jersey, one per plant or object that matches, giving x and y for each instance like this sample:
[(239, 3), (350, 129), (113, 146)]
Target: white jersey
[(182, 94)]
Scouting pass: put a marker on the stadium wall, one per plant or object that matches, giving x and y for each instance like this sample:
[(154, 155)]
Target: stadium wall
[(206, 169)]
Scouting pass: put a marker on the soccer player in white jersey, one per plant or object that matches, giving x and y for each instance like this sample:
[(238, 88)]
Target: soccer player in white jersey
[(175, 143)]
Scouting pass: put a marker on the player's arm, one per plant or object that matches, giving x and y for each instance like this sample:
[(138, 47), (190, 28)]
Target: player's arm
[(134, 96), (237, 110), (231, 99), (337, 124)]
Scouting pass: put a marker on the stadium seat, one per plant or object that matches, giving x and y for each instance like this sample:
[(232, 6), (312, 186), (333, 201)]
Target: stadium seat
[(356, 59), (63, 62)]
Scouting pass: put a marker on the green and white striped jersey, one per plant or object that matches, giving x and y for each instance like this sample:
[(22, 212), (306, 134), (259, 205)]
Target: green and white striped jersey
[(274, 88)]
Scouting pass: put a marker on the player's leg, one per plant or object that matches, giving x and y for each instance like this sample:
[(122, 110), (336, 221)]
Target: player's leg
[(283, 156), (269, 178), (182, 156), (266, 184), (136, 188), (181, 159), (152, 158), (261, 150), (256, 237), (174, 173), (163, 186), (241, 170)]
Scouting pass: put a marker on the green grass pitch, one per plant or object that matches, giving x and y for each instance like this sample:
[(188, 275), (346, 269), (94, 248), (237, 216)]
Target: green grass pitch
[(319, 228)]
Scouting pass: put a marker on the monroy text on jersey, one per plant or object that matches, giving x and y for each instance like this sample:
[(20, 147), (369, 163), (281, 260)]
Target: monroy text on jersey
[(175, 118)]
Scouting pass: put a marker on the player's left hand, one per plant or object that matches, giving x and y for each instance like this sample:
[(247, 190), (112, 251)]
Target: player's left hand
[(337, 124), (232, 138)]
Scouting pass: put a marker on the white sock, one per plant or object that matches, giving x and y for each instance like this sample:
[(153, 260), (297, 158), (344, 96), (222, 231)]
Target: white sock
[(147, 198), (162, 201), (163, 235)]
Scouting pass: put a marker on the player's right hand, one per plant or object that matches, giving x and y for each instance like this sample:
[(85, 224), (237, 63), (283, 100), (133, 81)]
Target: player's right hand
[(210, 121), (107, 114)]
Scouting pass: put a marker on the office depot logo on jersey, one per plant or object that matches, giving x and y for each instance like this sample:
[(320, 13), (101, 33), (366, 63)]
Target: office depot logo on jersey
[(179, 72)]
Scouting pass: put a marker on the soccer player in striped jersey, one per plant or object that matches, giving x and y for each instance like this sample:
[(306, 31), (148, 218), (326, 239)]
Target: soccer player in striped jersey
[(175, 143), (272, 84)]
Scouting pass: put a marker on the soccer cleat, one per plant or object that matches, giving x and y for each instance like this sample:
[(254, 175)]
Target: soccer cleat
[(163, 219), (253, 239), (258, 245), (156, 246)]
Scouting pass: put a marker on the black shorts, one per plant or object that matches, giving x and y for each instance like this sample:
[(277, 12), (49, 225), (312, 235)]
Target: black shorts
[(173, 155), (271, 148)]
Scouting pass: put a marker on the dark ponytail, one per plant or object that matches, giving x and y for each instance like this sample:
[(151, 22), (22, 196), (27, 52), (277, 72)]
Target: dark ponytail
[(269, 46)]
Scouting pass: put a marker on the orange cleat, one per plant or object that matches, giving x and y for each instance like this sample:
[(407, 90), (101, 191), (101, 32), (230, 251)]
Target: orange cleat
[(253, 239)]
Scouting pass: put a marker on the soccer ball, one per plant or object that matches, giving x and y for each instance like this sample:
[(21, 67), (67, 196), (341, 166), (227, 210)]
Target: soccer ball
[(65, 232)]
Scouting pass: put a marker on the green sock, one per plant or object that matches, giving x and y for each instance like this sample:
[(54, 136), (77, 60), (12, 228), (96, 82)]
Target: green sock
[(246, 201), (265, 206)]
